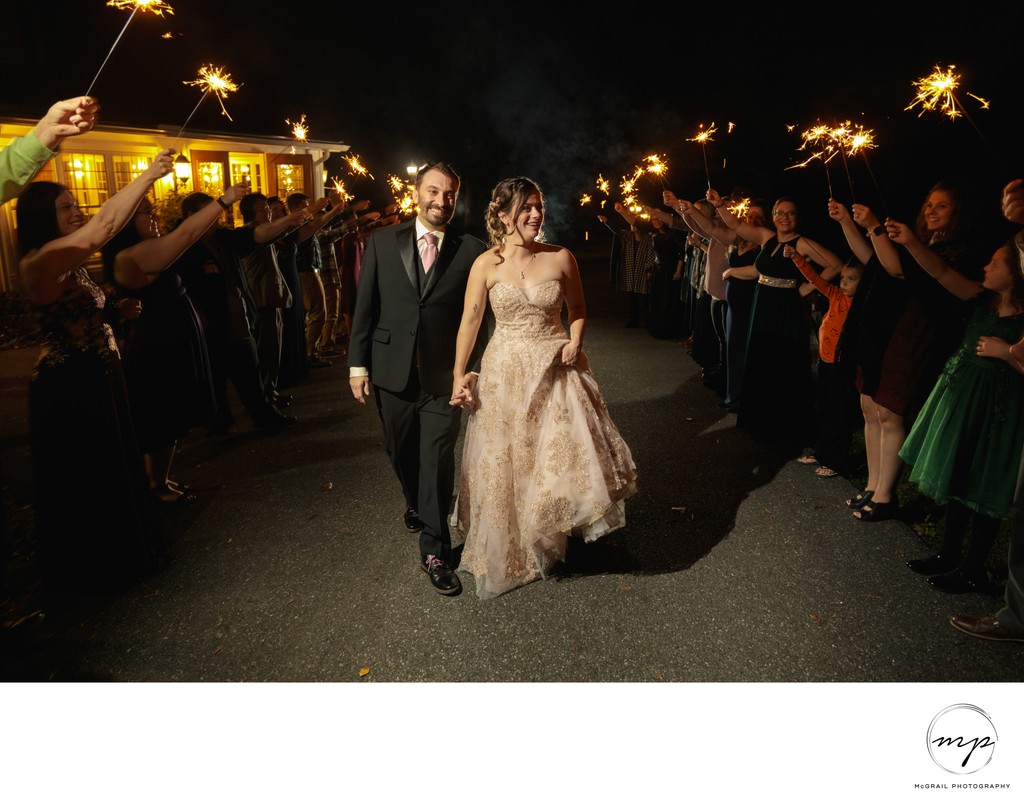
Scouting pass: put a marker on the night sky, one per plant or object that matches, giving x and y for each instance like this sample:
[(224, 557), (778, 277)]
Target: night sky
[(503, 89)]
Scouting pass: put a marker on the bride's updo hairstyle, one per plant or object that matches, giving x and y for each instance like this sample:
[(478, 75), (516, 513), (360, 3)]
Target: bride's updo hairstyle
[(509, 197)]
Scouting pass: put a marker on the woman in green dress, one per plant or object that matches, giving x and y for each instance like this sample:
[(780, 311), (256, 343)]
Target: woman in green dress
[(966, 443)]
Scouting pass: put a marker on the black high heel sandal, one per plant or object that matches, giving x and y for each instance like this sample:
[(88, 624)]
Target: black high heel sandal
[(872, 511), (860, 500)]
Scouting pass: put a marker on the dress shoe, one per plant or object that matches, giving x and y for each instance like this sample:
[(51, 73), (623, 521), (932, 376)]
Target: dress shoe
[(412, 520), (317, 362), (985, 628), (960, 583), (937, 564), (442, 577)]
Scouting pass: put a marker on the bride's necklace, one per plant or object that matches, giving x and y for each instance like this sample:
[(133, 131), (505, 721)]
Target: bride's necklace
[(524, 267)]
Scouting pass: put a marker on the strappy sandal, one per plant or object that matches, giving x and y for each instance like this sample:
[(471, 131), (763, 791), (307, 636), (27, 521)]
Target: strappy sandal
[(859, 501), (876, 511)]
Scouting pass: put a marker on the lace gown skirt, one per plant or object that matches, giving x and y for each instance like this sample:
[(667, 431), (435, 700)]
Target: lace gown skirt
[(542, 457)]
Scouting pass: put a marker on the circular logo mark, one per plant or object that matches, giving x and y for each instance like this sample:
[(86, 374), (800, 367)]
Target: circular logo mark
[(961, 739)]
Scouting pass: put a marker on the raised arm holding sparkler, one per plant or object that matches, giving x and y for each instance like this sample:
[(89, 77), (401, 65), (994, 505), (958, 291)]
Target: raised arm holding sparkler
[(45, 266), (23, 158), (317, 223), (874, 242)]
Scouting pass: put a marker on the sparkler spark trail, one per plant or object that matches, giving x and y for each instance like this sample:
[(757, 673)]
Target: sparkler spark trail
[(657, 166), (585, 200), (212, 80), (356, 167), (702, 137), (603, 185), (402, 190), (156, 6), (935, 91), (740, 207), (300, 130), (339, 188)]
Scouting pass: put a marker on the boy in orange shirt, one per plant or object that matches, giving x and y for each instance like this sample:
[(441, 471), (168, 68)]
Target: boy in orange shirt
[(838, 407)]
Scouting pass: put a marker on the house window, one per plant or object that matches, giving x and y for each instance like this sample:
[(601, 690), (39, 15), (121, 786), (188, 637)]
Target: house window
[(85, 175), (211, 179), (289, 180)]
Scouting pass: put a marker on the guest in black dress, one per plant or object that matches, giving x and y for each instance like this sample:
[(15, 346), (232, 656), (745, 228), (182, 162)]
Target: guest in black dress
[(94, 524)]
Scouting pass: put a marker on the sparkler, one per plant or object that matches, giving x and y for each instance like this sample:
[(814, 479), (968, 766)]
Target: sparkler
[(830, 141), (585, 200), (339, 188), (356, 167), (702, 137), (628, 187), (300, 134), (300, 130), (656, 165), (936, 92), (156, 6), (739, 207), (402, 191), (212, 80), (860, 141)]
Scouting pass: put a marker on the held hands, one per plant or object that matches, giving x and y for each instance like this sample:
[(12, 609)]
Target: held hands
[(361, 388), (462, 391), (570, 352), (994, 347)]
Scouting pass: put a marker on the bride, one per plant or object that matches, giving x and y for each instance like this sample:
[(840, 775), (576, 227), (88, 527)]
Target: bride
[(542, 458)]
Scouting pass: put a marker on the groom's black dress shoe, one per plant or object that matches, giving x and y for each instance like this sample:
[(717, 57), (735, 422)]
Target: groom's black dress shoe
[(442, 577), (412, 520)]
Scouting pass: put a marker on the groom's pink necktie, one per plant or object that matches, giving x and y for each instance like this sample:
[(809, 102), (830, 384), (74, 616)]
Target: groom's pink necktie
[(429, 251)]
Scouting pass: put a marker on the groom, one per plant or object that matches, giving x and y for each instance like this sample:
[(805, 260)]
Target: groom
[(412, 285)]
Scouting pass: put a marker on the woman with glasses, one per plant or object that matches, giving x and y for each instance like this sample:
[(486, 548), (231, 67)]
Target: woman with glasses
[(778, 388), (166, 364)]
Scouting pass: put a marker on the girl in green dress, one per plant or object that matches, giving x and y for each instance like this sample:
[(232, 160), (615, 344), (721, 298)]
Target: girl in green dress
[(965, 445)]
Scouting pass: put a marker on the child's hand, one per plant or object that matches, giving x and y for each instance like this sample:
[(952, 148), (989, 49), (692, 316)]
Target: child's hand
[(993, 347)]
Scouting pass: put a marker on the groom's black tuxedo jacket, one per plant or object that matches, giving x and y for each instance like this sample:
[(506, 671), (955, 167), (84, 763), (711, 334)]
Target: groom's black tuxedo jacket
[(396, 327)]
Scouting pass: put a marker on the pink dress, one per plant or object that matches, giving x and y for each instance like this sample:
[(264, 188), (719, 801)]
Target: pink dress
[(542, 458)]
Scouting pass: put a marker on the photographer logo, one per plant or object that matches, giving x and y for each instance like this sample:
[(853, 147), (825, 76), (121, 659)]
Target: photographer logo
[(962, 739)]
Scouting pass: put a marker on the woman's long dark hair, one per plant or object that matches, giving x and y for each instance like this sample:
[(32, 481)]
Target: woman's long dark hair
[(37, 216), (128, 237)]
